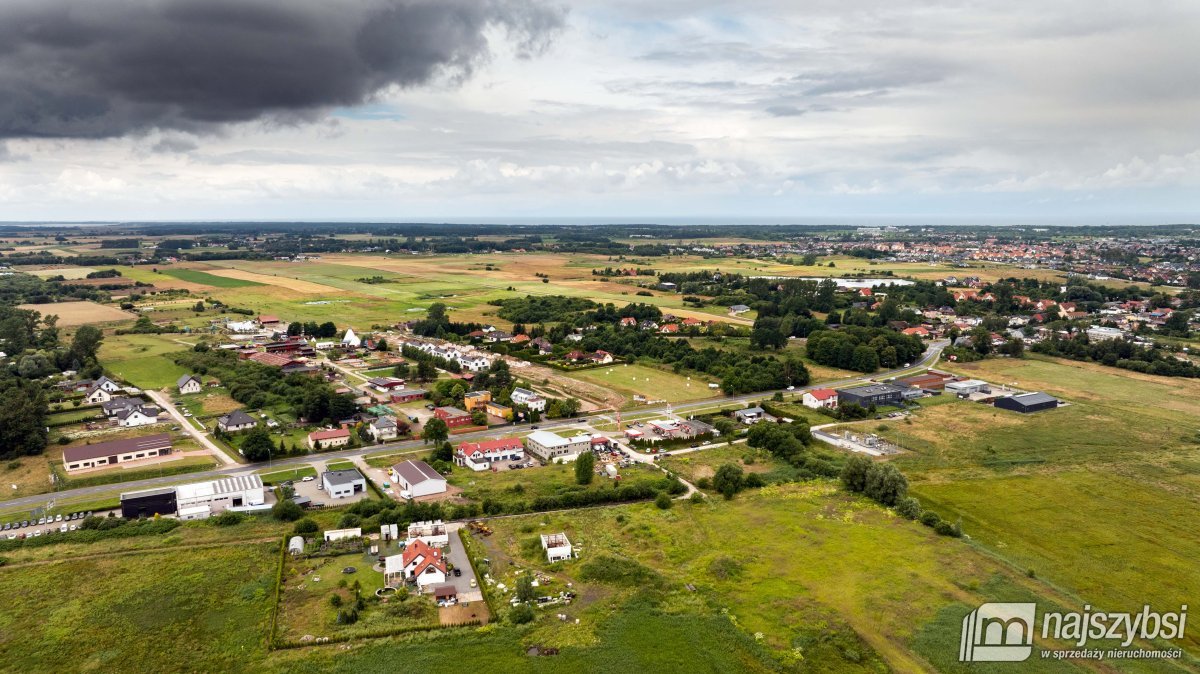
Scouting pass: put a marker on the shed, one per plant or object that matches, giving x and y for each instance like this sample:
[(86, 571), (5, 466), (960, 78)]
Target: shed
[(1027, 402), (296, 545)]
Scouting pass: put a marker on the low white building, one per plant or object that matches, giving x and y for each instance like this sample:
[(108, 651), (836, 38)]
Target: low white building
[(557, 547), (551, 447), (967, 387), (137, 416), (1103, 334), (242, 492), (343, 483), (341, 534), (416, 479), (433, 533)]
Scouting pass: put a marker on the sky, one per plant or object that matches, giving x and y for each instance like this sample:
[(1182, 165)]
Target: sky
[(1071, 112)]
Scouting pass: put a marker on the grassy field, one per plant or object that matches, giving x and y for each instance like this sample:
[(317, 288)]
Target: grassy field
[(204, 278), (80, 313), (651, 382), (528, 484), (1093, 496), (145, 361)]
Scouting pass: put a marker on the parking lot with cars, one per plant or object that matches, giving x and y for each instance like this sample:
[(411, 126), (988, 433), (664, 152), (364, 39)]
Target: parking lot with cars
[(34, 527)]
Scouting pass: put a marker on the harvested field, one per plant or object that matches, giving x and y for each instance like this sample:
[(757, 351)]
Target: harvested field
[(65, 272), (80, 313), (281, 281)]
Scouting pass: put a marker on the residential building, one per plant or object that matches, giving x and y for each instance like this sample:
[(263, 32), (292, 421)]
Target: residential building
[(384, 428), (236, 421), (479, 456), (138, 416), (343, 483), (1026, 403), (527, 398), (188, 384), (420, 563), (752, 415), (874, 394), (416, 479), (1102, 334), (116, 452), (97, 394), (819, 398), (738, 309), (407, 395), (117, 405), (497, 410), (550, 447), (557, 546), (327, 439), (476, 399)]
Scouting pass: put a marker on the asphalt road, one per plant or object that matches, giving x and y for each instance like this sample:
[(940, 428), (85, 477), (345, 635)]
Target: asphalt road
[(929, 358)]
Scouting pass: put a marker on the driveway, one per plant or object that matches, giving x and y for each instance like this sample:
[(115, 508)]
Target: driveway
[(185, 423), (456, 554)]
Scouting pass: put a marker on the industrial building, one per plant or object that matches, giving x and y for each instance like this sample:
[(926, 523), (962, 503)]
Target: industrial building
[(148, 503), (875, 394), (115, 452), (1027, 402), (200, 500), (343, 483), (967, 387), (550, 447)]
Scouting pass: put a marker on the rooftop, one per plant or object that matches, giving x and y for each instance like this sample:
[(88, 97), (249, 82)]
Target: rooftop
[(349, 476), (114, 447)]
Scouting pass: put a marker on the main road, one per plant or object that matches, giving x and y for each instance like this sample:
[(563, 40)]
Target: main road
[(928, 359)]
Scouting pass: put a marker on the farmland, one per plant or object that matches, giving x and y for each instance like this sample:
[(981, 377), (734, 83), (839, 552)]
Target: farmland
[(143, 360), (204, 278), (650, 382), (80, 313)]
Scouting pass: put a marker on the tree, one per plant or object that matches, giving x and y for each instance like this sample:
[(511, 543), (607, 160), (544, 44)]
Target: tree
[(525, 588), (521, 614), (663, 501), (909, 508), (258, 445), (436, 431), (728, 480), (854, 473), (86, 343), (444, 452), (767, 333), (22, 419), (585, 468), (199, 307), (287, 511), (886, 484)]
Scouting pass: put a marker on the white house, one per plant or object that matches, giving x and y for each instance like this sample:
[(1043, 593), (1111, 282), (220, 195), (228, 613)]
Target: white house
[(420, 563), (549, 446), (351, 340), (557, 547), (479, 455), (138, 416), (235, 421), (417, 479), (97, 394), (107, 384), (189, 383), (473, 363), (821, 397), (383, 428), (527, 398)]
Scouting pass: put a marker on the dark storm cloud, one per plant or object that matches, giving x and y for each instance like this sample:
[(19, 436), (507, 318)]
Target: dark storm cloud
[(104, 69)]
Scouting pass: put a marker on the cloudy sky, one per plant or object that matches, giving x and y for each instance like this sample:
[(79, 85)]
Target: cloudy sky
[(795, 111)]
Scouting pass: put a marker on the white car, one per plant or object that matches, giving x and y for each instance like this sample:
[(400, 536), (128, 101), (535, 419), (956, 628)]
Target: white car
[(308, 478)]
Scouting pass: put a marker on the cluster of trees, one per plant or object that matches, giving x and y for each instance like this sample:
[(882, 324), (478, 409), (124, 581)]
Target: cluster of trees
[(30, 289), (144, 326), (313, 329), (863, 349), (1119, 353), (257, 386), (793, 443), (437, 324), (887, 486), (541, 309)]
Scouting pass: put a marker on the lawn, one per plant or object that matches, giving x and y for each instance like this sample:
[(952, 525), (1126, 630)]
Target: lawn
[(291, 474), (196, 276), (528, 484), (695, 465), (145, 361), (651, 382)]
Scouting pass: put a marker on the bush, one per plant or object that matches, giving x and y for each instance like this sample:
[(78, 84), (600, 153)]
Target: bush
[(930, 518), (228, 518), (521, 614), (349, 521), (704, 483), (909, 508), (335, 600), (287, 511), (944, 528), (724, 568), (663, 501), (305, 526), (696, 497)]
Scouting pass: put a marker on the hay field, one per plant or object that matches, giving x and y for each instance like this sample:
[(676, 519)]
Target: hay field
[(295, 284), (80, 313)]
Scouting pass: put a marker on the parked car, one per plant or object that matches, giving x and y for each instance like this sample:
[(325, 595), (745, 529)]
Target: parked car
[(74, 527), (473, 583), (58, 518), (7, 526), (457, 573), (308, 478)]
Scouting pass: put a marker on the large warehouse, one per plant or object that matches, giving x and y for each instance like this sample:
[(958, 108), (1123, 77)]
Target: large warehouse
[(148, 503), (1027, 402), (242, 492)]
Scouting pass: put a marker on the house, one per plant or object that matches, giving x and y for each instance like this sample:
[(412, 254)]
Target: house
[(116, 452), (918, 331), (495, 409), (97, 394), (343, 483), (417, 479), (117, 405), (549, 446), (738, 309), (407, 395), (575, 356), (351, 340), (268, 321), (819, 398), (542, 345), (557, 547), (527, 398), (628, 322), (188, 384), (967, 387), (420, 563), (453, 416), (476, 399), (874, 394), (670, 329), (107, 384), (1027, 403), (479, 456), (383, 428), (601, 358), (432, 533), (337, 437), (1103, 334), (235, 421), (138, 416)]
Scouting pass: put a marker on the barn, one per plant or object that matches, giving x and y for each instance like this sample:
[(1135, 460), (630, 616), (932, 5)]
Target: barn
[(1027, 402)]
